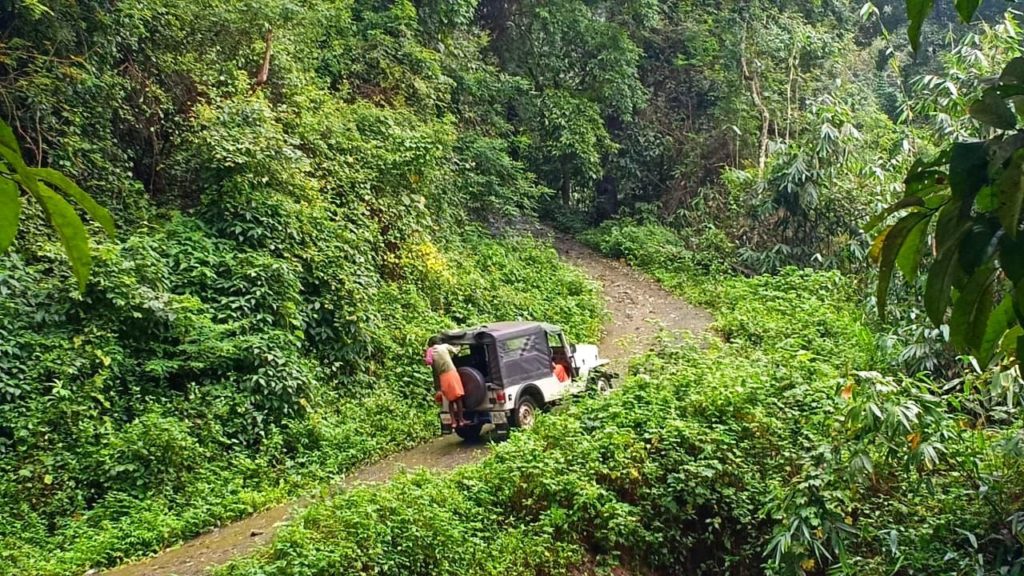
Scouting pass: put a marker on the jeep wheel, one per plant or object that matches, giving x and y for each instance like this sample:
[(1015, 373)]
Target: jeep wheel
[(469, 433), (601, 384), (526, 412)]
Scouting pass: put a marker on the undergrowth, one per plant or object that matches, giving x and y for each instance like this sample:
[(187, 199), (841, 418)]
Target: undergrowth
[(775, 450), (182, 406), (670, 471)]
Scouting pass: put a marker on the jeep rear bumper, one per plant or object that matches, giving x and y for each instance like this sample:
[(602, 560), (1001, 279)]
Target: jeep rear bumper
[(501, 420)]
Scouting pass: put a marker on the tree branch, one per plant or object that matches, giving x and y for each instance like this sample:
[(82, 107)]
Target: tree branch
[(264, 73)]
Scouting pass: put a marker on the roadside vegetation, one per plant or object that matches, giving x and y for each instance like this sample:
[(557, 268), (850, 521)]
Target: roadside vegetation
[(790, 445), (174, 414)]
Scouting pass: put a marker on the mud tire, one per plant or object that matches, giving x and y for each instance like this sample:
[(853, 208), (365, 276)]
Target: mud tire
[(525, 414)]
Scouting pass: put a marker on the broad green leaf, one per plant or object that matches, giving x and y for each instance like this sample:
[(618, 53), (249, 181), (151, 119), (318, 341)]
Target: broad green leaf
[(940, 277), (967, 8), (867, 11), (992, 110), (908, 202), (951, 220), (1008, 345), (1014, 72), (11, 152), (917, 12), (895, 237), (8, 139), (21, 170), (875, 252), (10, 212), (97, 212), (1011, 258), (987, 200), (968, 170), (971, 311), (71, 231), (1011, 194), (924, 168), (978, 246), (1001, 320), (909, 258), (1018, 302), (1002, 148)]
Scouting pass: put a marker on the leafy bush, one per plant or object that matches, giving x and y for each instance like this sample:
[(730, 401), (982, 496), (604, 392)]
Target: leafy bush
[(761, 454), (287, 243), (195, 395), (766, 453)]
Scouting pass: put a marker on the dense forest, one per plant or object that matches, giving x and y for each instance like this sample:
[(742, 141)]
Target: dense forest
[(232, 225)]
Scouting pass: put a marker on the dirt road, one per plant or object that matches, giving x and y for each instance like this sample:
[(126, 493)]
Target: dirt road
[(639, 308)]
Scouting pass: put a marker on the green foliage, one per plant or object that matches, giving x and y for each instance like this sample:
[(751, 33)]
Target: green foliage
[(819, 186), (667, 472), (582, 64), (972, 192), (941, 97), (660, 251), (762, 454), (181, 391), (783, 302), (286, 249), (289, 239), (15, 175), (919, 10), (568, 140), (767, 125), (863, 497)]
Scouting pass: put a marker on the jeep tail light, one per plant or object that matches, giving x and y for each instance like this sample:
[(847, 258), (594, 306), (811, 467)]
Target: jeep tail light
[(500, 396)]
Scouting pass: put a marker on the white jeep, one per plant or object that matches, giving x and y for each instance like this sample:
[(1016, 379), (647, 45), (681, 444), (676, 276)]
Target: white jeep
[(507, 371)]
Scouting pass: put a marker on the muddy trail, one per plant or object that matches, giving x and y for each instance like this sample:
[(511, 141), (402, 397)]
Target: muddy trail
[(639, 309)]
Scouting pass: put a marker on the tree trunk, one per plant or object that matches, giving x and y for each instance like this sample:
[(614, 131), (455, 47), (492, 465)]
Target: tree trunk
[(755, 93), (607, 195), (264, 73), (794, 59), (566, 191)]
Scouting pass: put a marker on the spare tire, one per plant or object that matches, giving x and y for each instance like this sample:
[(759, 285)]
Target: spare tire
[(475, 387)]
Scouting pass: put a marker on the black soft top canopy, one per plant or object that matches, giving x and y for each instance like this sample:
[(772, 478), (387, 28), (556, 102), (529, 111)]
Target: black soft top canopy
[(496, 332), (509, 353)]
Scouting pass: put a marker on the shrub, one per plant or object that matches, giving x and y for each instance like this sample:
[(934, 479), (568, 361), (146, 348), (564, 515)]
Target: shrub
[(672, 472), (199, 394), (764, 453)]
